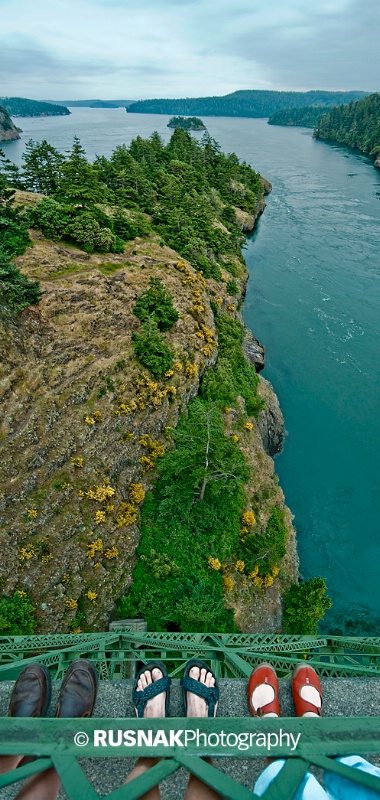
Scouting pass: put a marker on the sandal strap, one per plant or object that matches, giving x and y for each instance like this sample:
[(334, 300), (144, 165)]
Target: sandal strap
[(140, 699), (208, 693)]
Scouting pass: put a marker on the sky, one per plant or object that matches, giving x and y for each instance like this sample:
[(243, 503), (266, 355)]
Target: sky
[(138, 49)]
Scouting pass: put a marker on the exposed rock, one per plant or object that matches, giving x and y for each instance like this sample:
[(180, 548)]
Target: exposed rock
[(377, 161), (8, 130), (270, 420), (254, 351)]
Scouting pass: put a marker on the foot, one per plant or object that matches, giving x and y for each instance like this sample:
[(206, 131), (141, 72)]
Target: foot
[(155, 707), (263, 692), (31, 693), (78, 691), (307, 691), (197, 706)]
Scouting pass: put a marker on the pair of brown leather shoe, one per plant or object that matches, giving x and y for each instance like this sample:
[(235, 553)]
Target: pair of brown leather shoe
[(32, 691)]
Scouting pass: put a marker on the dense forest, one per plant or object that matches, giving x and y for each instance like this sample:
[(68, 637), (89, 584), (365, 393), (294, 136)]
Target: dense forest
[(176, 184), (306, 117), (187, 123), (245, 103), (95, 103), (357, 125), (22, 107)]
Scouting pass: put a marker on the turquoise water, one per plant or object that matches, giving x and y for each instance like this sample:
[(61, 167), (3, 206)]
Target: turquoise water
[(313, 299)]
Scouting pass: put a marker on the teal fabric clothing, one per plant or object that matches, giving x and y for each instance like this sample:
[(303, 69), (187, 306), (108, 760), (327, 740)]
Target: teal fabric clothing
[(336, 788)]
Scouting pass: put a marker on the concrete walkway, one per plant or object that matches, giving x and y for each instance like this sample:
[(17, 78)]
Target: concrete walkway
[(342, 697)]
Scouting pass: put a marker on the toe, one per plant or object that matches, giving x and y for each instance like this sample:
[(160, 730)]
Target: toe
[(210, 680), (142, 681), (194, 673), (148, 677), (203, 676), (157, 674)]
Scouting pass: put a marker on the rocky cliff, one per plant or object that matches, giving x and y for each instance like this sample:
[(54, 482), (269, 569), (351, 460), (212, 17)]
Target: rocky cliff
[(83, 426), (8, 130)]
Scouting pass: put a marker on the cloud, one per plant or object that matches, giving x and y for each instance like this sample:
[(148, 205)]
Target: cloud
[(150, 48)]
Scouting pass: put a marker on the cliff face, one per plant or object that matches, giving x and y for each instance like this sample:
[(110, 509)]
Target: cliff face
[(8, 131), (81, 420)]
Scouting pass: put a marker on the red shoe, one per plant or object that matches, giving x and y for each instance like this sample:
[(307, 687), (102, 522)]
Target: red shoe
[(264, 674), (304, 675)]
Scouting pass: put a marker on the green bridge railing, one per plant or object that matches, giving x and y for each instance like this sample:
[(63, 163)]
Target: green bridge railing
[(184, 742)]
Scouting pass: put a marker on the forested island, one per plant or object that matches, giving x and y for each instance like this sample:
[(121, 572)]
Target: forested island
[(95, 103), (23, 107), (187, 123), (142, 427), (244, 103), (8, 130), (306, 117), (357, 125)]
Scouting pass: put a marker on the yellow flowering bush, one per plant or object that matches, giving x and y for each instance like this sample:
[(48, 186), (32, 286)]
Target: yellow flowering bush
[(26, 554), (228, 584), (235, 438), (254, 572), (239, 566), (92, 595), (20, 593), (249, 426), (169, 373), (214, 563), (100, 493), (77, 461), (227, 410), (219, 301), (275, 571), (71, 604), (136, 493), (100, 517), (89, 420), (94, 547), (258, 581), (111, 552), (32, 513), (248, 518), (268, 580), (128, 515), (178, 366), (231, 308), (97, 416), (191, 370)]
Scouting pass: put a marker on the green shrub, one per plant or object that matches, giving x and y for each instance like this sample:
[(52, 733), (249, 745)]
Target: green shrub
[(51, 218), (151, 349), (232, 287), (232, 375), (267, 549), (304, 606), (16, 615), (156, 303), (195, 512), (16, 290)]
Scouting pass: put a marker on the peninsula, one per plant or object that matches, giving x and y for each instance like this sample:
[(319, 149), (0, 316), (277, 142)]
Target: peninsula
[(23, 107), (8, 130), (356, 125), (127, 369)]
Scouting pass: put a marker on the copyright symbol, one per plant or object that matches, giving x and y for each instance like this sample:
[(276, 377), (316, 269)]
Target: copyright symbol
[(81, 739)]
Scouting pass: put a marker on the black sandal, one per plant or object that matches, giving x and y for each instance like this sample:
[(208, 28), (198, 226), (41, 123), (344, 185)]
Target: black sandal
[(208, 693), (140, 699)]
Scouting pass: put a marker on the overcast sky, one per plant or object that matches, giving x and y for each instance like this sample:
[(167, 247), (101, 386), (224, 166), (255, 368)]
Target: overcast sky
[(131, 49)]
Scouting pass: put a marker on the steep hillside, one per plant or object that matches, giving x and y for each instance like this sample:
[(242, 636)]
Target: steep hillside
[(23, 107), (357, 125), (244, 103), (75, 408), (8, 130), (136, 431)]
